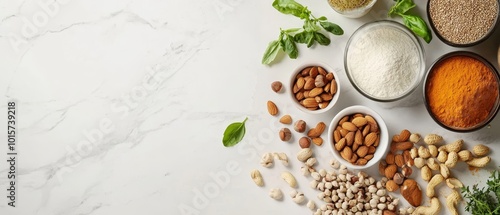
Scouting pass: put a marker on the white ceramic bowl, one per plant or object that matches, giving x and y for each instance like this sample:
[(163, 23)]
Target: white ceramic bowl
[(384, 135), (354, 13), (292, 82)]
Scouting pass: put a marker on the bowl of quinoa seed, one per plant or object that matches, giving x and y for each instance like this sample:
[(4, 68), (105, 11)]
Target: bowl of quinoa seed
[(352, 8), (463, 23)]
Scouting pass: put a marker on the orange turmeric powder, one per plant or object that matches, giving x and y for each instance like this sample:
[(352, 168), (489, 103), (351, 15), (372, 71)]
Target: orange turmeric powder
[(462, 91)]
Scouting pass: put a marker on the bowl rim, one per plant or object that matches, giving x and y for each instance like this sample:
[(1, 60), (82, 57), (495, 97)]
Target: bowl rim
[(482, 39), (355, 13), (493, 113), (299, 69), (412, 36), (383, 147)]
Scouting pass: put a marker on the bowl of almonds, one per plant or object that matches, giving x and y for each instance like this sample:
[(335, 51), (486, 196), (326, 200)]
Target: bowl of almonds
[(314, 87), (358, 137)]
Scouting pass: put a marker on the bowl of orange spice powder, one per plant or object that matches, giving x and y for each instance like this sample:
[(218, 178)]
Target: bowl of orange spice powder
[(461, 91)]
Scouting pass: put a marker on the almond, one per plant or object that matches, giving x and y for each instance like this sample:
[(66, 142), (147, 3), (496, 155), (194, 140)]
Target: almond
[(346, 153), (362, 151), (301, 82), (373, 124), (354, 158), (316, 92), (359, 121), (398, 160), (370, 139), (350, 138), (390, 158), (358, 138), (366, 130), (401, 146), (391, 186), (318, 141), (286, 119), (299, 96), (381, 167), (369, 156), (407, 158), (309, 103), (272, 108), (322, 71), (333, 87), (326, 97), (349, 126), (404, 135), (309, 85), (317, 131), (329, 76), (339, 146), (326, 88), (344, 119), (313, 72), (305, 71), (361, 162), (336, 136), (411, 192), (390, 170), (372, 149), (323, 105)]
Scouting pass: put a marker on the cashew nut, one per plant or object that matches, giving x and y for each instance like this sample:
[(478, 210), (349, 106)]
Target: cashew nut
[(267, 160), (304, 154), (480, 150), (436, 180), (429, 210), (445, 172), (452, 147), (424, 152), (282, 157), (276, 193), (297, 197), (432, 164), (452, 201), (426, 173), (465, 155), (442, 156), (479, 162), (454, 183), (419, 162), (452, 159), (334, 164), (433, 150), (289, 178), (257, 177)]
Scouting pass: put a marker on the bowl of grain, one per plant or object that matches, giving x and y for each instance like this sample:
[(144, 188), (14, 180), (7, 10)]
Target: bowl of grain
[(358, 137), (314, 87), (352, 8), (384, 61), (463, 23), (461, 91)]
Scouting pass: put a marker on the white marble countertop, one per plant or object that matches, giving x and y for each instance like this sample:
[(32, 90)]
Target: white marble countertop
[(121, 105)]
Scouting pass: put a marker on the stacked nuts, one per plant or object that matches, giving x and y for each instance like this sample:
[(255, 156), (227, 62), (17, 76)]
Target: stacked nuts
[(314, 87), (356, 138)]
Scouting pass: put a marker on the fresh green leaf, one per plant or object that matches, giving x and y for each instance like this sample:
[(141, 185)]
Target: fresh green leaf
[(480, 201), (310, 25), (292, 30), (322, 18), (234, 133), (289, 47), (289, 7), (305, 37), (271, 52), (418, 26), (401, 7), (332, 28), (310, 39), (322, 39)]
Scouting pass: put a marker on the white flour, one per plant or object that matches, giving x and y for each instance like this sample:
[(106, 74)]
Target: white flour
[(383, 62)]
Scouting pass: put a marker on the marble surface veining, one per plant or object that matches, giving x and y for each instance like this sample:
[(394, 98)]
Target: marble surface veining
[(122, 105)]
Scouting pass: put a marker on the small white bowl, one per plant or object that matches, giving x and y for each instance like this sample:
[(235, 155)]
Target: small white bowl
[(354, 13), (384, 135), (292, 80)]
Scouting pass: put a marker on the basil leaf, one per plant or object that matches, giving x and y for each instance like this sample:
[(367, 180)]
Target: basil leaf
[(401, 7), (289, 7), (234, 133), (332, 28), (289, 47), (322, 18), (300, 37), (310, 39), (310, 25), (322, 39), (292, 30), (271, 52), (418, 26)]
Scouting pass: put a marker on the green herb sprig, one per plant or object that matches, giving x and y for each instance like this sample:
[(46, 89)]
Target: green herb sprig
[(414, 23), (484, 201), (308, 34), (234, 133)]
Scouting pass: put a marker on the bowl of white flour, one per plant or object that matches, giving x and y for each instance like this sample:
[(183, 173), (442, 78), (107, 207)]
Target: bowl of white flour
[(384, 61)]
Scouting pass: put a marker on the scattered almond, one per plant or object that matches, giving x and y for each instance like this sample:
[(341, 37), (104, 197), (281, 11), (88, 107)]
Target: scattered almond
[(286, 119), (272, 108), (317, 131)]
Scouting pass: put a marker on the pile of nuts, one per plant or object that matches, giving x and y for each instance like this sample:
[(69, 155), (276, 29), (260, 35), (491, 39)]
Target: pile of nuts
[(314, 87), (356, 138)]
